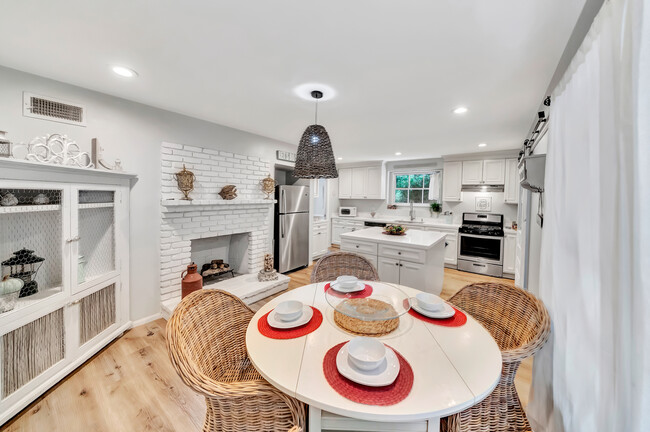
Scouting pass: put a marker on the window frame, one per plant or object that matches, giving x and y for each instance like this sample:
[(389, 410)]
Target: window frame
[(409, 172)]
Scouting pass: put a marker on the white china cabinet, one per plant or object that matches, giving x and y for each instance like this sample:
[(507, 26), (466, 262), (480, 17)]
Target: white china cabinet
[(77, 221)]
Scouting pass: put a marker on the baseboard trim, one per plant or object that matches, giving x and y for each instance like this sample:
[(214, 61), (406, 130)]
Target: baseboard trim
[(146, 320)]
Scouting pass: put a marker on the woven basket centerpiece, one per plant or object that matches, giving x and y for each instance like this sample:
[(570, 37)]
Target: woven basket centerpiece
[(374, 309)]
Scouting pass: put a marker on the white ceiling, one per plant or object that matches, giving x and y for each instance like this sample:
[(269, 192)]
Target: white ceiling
[(398, 67)]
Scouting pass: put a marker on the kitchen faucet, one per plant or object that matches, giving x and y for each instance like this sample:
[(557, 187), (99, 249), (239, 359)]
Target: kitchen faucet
[(412, 212)]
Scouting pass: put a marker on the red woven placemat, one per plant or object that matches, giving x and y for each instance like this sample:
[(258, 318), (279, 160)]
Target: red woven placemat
[(457, 320), (292, 333), (359, 294), (381, 396)]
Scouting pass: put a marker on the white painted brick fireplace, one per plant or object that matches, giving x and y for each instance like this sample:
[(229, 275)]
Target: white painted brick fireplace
[(210, 216)]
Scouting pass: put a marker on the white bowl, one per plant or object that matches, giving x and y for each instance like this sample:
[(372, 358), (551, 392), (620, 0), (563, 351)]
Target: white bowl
[(288, 310), (366, 353), (430, 302), (347, 281)]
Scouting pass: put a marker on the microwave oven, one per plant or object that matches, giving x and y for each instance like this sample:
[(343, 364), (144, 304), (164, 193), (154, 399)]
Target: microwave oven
[(348, 211)]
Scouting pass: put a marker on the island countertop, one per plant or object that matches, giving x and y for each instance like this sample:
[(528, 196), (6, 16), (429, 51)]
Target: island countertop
[(413, 238)]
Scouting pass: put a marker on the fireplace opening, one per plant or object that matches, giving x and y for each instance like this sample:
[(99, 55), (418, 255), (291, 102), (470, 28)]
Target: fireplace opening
[(222, 257)]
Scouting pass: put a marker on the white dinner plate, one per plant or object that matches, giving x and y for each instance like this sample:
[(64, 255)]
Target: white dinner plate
[(447, 312), (307, 313), (384, 375), (360, 286)]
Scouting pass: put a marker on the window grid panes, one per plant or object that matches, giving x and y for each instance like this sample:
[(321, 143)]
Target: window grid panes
[(412, 188)]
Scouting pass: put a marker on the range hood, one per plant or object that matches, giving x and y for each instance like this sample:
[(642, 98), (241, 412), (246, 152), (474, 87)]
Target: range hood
[(531, 172), (482, 188)]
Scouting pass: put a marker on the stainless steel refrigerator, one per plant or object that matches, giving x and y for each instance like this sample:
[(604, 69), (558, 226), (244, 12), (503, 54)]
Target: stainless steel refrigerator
[(291, 234)]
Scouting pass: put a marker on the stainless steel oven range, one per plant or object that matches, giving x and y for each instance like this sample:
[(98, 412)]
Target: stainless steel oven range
[(480, 244)]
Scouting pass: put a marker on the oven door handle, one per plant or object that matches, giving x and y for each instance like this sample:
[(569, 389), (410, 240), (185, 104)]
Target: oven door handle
[(500, 238)]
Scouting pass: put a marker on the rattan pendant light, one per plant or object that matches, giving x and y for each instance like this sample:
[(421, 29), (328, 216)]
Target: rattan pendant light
[(315, 158)]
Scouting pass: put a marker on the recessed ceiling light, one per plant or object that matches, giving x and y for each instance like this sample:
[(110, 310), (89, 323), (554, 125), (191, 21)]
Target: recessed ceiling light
[(460, 110), (482, 145), (340, 158), (125, 72), (398, 153)]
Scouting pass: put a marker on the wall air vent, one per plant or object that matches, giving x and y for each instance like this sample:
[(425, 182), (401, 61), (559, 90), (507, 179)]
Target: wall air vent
[(47, 108)]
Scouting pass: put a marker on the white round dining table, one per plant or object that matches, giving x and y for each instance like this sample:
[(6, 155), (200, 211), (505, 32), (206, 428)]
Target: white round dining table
[(453, 367)]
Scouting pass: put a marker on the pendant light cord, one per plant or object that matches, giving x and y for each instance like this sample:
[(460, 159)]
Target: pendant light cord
[(316, 114)]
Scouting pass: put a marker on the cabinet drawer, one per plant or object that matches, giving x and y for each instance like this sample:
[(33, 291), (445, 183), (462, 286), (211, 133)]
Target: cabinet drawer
[(359, 247), (413, 255)]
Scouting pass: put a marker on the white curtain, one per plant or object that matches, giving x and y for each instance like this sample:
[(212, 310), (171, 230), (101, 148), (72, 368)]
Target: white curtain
[(434, 186), (594, 374)]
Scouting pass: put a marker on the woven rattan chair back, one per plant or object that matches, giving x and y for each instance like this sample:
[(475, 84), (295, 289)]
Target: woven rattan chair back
[(520, 325), (336, 264), (206, 343)]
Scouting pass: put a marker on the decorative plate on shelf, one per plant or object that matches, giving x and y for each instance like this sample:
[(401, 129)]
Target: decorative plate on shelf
[(395, 230)]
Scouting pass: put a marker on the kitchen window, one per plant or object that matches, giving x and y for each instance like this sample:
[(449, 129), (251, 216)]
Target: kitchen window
[(418, 187)]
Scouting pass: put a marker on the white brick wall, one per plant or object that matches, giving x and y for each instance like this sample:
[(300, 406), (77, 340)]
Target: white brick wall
[(213, 170)]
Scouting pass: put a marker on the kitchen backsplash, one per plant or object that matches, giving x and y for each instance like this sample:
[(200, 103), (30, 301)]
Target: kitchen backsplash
[(509, 211)]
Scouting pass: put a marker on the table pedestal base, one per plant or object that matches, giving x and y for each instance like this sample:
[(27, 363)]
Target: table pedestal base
[(324, 421)]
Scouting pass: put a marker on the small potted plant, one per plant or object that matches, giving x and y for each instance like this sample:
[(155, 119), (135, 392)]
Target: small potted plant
[(436, 208)]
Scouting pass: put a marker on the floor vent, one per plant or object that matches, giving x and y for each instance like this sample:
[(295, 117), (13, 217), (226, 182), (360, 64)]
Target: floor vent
[(47, 108)]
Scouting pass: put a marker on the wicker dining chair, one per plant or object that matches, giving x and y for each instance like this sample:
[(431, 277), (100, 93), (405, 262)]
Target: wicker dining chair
[(337, 264), (206, 344), (520, 325)]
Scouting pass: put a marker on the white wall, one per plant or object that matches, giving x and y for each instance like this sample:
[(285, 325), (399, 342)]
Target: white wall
[(133, 133)]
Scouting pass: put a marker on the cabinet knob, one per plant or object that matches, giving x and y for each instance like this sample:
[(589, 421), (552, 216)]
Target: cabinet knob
[(399, 253), (357, 246), (401, 265)]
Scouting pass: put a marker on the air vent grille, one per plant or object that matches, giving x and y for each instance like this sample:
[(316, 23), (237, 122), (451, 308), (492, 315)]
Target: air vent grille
[(47, 108)]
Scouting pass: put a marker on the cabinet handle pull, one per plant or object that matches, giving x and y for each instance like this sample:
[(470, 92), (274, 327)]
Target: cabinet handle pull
[(75, 302), (73, 239)]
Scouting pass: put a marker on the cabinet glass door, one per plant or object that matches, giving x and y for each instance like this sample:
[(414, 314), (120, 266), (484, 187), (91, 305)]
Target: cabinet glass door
[(94, 257), (32, 232)]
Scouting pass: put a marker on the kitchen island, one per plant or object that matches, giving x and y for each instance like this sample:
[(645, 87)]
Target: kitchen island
[(415, 259)]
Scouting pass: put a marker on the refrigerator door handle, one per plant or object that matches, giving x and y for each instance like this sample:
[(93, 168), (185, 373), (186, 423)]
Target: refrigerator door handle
[(282, 226), (284, 203)]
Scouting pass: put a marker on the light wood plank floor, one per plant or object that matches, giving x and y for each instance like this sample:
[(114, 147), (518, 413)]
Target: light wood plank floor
[(131, 385)]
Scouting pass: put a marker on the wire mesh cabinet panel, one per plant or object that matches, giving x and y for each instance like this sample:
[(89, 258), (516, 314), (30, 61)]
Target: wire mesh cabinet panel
[(95, 250), (33, 229)]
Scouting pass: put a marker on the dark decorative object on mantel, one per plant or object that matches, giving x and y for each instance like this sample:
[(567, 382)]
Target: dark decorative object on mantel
[(315, 158), (24, 265), (228, 192)]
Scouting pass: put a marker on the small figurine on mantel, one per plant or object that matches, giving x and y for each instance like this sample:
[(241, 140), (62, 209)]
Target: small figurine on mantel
[(268, 273), (228, 192)]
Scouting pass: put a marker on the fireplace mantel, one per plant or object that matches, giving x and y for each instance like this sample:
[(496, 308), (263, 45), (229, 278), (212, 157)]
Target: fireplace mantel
[(215, 202)]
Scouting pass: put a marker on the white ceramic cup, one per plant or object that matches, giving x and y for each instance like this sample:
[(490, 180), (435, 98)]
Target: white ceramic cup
[(430, 302), (288, 310), (347, 281), (366, 353)]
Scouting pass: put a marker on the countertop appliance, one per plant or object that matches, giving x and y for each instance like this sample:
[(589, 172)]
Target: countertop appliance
[(348, 211), (375, 224), (291, 228), (480, 244)]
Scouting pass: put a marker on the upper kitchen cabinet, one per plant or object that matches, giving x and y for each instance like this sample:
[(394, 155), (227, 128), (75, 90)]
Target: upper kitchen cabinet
[(364, 182), (511, 187), (485, 172), (451, 181), (345, 182)]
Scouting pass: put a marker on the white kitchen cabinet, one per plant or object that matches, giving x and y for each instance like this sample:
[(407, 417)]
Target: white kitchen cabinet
[(82, 303), (472, 172), (452, 181), (511, 187), (494, 171), (320, 239), (367, 182), (359, 182), (388, 270), (484, 172), (451, 251), (340, 226), (345, 183), (375, 183), (509, 255), (411, 274)]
